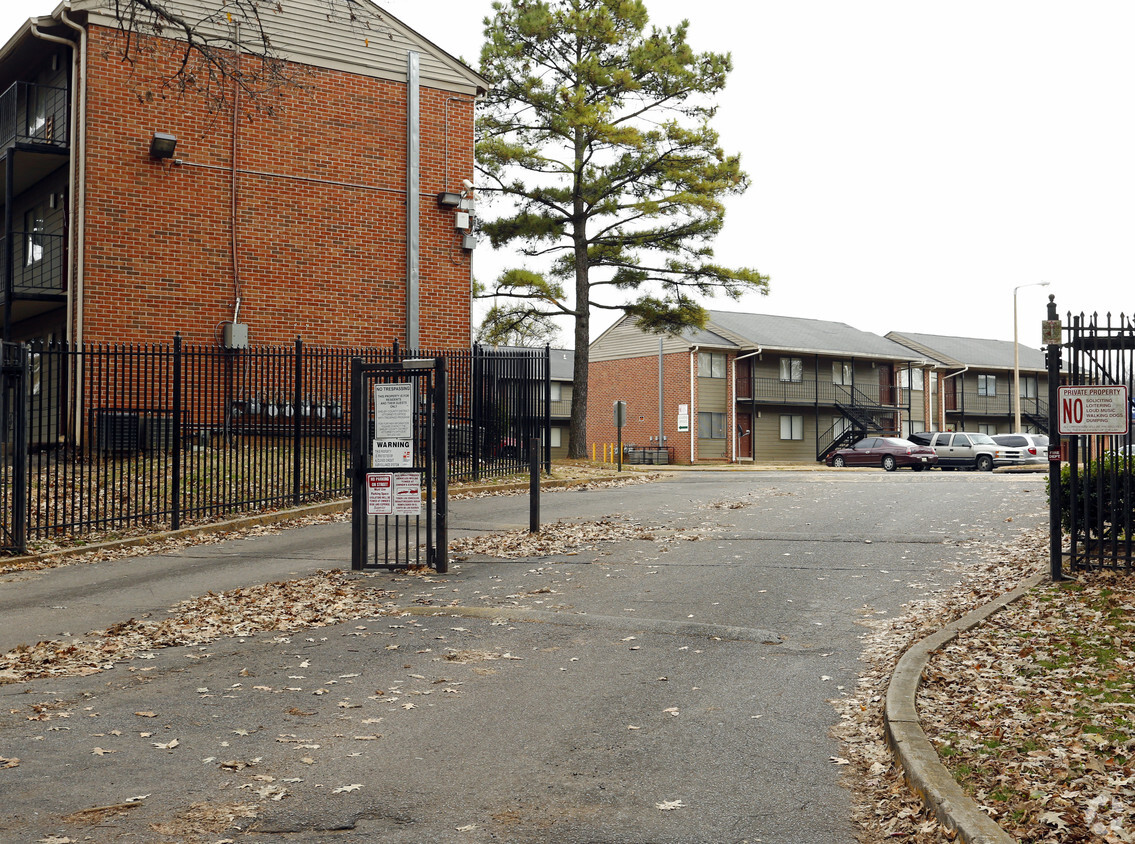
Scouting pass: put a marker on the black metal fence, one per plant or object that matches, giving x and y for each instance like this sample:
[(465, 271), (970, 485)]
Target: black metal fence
[(130, 438), (1097, 478)]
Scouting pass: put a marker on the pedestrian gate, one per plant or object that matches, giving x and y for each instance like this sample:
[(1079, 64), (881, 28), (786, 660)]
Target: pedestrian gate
[(399, 471)]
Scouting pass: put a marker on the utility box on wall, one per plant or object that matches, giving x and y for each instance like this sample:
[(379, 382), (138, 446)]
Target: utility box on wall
[(235, 335)]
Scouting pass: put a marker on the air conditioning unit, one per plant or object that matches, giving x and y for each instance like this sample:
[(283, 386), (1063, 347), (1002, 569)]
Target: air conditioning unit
[(118, 430)]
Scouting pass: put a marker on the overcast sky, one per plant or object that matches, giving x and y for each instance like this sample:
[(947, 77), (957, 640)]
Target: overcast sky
[(911, 162)]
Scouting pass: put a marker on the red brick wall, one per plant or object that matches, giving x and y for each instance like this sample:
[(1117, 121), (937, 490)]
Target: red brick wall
[(635, 381), (325, 262)]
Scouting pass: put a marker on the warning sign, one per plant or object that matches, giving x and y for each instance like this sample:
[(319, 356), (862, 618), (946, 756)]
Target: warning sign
[(407, 494), (392, 454), (1093, 410), (380, 493)]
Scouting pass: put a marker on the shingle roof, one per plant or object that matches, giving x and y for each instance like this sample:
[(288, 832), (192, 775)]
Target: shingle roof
[(971, 351), (798, 334)]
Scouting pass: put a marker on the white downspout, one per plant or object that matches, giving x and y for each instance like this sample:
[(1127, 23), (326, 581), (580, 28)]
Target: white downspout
[(79, 145), (733, 403), (693, 420), (72, 224), (942, 395)]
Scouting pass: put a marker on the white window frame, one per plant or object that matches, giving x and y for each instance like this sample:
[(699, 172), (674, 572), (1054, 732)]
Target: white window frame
[(555, 437), (843, 372), (715, 422), (711, 364), (794, 427), (792, 370), (984, 382)]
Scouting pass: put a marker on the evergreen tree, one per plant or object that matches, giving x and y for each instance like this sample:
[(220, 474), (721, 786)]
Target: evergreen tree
[(595, 141)]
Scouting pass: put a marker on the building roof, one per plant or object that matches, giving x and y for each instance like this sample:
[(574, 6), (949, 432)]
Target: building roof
[(799, 334), (970, 351), (374, 44)]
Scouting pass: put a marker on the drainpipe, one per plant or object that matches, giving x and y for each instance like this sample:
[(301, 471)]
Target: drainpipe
[(79, 152), (942, 396), (733, 403), (693, 422), (72, 126)]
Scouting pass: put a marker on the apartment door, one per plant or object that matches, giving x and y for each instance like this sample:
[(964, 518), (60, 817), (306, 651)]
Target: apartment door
[(744, 436), (887, 384)]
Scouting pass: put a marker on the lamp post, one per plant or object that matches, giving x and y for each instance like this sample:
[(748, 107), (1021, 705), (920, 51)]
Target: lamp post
[(1017, 358)]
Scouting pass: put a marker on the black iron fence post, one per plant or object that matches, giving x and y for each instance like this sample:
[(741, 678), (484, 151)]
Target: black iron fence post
[(358, 467), (478, 408), (297, 444), (548, 409), (534, 485), (441, 463), (175, 478), (1052, 360)]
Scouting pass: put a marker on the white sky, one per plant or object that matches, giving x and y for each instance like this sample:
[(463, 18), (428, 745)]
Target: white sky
[(911, 162)]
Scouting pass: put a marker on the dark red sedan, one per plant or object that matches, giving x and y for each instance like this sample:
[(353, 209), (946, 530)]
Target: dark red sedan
[(889, 452)]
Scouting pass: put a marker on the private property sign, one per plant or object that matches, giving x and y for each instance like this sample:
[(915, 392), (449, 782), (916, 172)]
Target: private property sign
[(1093, 410)]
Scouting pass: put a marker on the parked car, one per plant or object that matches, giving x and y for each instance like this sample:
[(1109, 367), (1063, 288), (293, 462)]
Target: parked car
[(888, 452), (962, 449), (1023, 449)]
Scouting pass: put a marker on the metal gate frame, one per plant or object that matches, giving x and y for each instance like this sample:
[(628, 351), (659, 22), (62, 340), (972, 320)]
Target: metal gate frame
[(400, 538), (1091, 497), (14, 377)]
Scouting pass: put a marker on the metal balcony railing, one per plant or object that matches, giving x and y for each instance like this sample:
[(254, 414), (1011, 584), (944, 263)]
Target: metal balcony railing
[(38, 265), (33, 114), (810, 392)]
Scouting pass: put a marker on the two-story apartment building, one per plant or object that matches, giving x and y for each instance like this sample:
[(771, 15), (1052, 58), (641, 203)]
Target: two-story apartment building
[(132, 210), (752, 387), (971, 387)]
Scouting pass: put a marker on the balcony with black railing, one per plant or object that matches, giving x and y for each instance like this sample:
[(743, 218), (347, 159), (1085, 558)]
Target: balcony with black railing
[(38, 266), (33, 115), (775, 391)]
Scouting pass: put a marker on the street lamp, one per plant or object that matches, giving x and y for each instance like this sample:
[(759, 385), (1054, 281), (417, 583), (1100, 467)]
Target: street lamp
[(1017, 359)]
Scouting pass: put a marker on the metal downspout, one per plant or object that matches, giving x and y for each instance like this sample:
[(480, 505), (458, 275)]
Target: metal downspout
[(413, 200), (72, 130), (733, 405), (693, 420), (961, 371)]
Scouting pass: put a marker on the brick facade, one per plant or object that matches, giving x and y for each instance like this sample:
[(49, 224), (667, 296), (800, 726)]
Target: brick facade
[(635, 381), (321, 222)]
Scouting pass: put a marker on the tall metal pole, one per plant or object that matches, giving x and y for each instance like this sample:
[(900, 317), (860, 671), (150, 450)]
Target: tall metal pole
[(1055, 506)]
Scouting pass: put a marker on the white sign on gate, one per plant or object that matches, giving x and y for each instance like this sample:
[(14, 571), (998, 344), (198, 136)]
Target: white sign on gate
[(407, 494), (392, 454), (380, 493), (1093, 410), (393, 411)]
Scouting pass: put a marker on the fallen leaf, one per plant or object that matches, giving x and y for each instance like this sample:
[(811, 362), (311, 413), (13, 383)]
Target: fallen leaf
[(668, 805), (343, 788)]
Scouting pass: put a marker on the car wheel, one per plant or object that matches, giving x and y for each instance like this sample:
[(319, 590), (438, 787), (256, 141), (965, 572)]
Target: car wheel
[(838, 462), (984, 463), (889, 463), (918, 468)]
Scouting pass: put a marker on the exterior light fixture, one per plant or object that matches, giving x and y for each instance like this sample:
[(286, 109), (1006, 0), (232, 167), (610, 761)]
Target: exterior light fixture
[(450, 199), (162, 145)]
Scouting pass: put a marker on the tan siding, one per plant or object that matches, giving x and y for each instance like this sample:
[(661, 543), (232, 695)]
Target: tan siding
[(625, 340), (303, 33), (713, 395), (770, 448)]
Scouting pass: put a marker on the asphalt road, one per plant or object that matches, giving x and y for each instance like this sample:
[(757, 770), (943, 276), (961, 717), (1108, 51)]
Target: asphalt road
[(659, 690)]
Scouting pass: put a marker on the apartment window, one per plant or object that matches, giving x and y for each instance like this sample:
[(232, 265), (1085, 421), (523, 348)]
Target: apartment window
[(1028, 386), (554, 437), (840, 425), (987, 385), (711, 364), (557, 391), (911, 379), (841, 372), (792, 369), (711, 426), (791, 427), (984, 428)]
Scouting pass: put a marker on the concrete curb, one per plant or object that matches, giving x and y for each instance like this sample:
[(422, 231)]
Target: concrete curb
[(923, 770)]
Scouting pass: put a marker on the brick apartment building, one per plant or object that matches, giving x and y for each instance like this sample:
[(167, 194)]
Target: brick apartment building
[(323, 219)]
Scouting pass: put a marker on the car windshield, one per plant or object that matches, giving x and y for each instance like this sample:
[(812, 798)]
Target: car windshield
[(981, 439)]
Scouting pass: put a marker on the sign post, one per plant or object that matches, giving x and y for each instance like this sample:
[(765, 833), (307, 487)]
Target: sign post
[(1052, 339), (620, 421), (1102, 409)]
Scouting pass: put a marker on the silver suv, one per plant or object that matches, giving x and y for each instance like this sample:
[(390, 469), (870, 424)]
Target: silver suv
[(1023, 449), (962, 449)]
